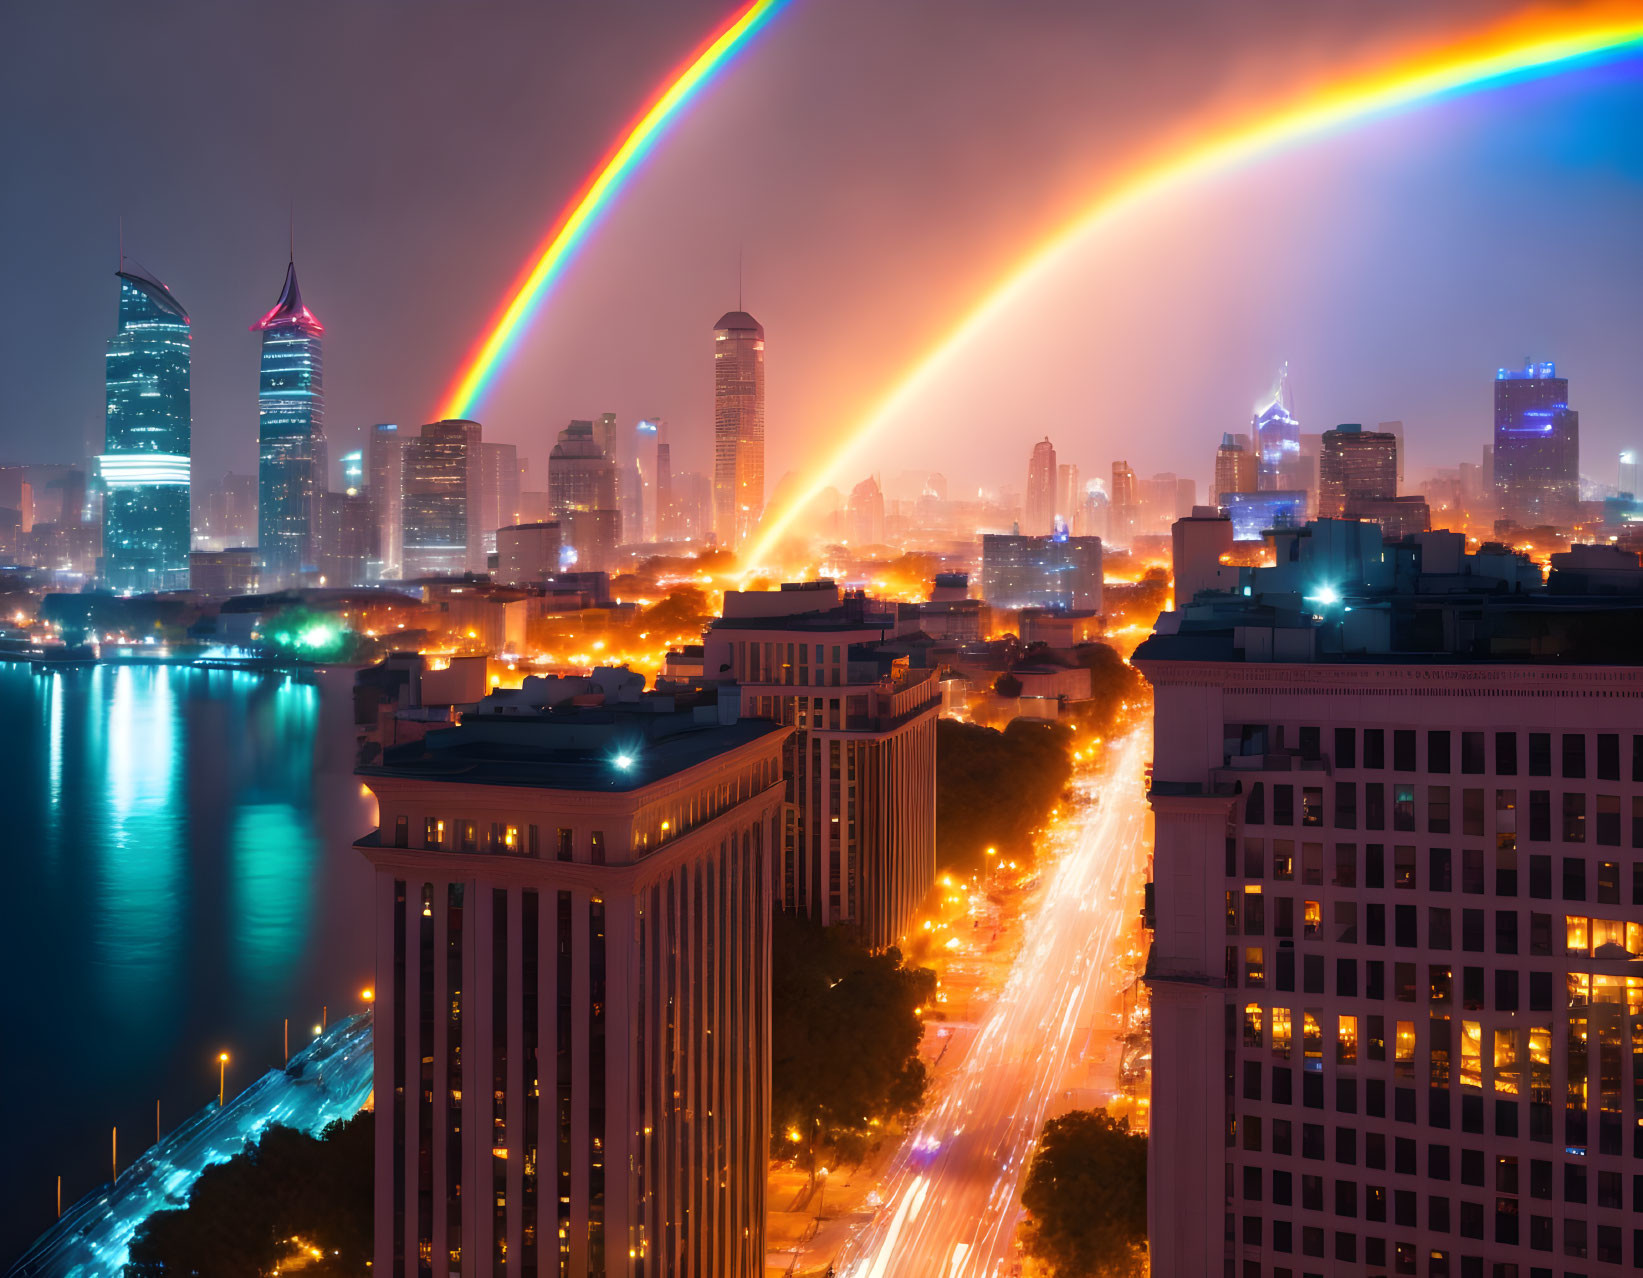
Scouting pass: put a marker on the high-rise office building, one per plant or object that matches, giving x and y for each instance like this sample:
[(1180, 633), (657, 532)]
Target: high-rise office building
[(292, 464), (144, 469), (1355, 465), (582, 492), (498, 492), (1627, 474), (581, 476), (440, 509), (664, 518), (1395, 429), (1041, 572), (1069, 498), (1039, 512), (346, 538), (1237, 468), (865, 513), (859, 841), (353, 472), (738, 426), (1277, 439), (573, 957), (1395, 905), (1124, 504), (385, 480), (1537, 446), (639, 509)]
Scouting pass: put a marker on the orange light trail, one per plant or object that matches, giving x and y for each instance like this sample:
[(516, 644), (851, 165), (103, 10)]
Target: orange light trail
[(1519, 51)]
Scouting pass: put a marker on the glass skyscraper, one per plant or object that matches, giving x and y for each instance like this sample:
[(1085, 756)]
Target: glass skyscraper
[(145, 467), (1537, 446), (291, 473), (738, 427)]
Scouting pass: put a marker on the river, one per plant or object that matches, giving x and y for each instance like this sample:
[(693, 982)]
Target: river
[(178, 882)]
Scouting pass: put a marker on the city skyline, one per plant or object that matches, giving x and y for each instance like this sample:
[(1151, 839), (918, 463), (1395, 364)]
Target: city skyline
[(368, 383)]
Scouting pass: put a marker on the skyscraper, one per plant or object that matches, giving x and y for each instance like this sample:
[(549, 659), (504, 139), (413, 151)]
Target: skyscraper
[(1277, 438), (291, 427), (498, 491), (1355, 465), (858, 843), (573, 948), (1038, 518), (661, 480), (385, 479), (144, 469), (738, 426), (1393, 915), (1628, 472), (1125, 504), (1537, 446), (441, 507), (1236, 467)]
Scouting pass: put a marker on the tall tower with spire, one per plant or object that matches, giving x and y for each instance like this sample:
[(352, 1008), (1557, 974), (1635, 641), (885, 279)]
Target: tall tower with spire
[(291, 474), (738, 427)]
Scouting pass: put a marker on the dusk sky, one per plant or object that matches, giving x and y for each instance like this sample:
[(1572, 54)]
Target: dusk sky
[(877, 165)]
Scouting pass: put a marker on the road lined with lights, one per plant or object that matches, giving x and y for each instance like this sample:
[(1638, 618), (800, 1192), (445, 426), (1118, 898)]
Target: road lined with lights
[(952, 1194)]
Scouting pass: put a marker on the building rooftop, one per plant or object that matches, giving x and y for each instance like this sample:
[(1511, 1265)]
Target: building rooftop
[(610, 748), (740, 322), (1338, 593), (289, 310)]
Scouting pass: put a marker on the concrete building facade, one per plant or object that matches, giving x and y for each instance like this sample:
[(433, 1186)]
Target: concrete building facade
[(573, 960), (859, 842), (1397, 904)]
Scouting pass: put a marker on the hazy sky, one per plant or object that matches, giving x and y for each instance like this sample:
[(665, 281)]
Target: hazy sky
[(878, 163)]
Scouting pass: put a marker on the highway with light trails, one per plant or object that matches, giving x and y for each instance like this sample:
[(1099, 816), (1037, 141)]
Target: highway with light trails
[(952, 1195)]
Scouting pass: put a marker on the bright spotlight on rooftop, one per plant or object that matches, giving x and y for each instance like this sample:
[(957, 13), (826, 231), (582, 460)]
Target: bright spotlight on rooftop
[(1326, 595), (623, 761)]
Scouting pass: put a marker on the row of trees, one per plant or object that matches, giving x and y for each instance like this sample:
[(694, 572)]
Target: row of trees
[(1086, 1194), (844, 1032), (993, 789), (290, 1198)]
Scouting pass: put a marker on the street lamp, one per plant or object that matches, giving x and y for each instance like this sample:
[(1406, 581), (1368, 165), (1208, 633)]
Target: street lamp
[(369, 995), (222, 1076), (821, 1192)]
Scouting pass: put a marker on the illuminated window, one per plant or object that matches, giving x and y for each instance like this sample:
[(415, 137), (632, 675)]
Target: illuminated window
[(1609, 933), (1313, 918), (510, 837), (1508, 1065), (1577, 934), (1312, 1035), (1346, 1041), (1540, 1064), (1252, 1025), (1280, 1031), (1404, 1049), (1254, 967), (1471, 1054), (433, 832), (470, 836)]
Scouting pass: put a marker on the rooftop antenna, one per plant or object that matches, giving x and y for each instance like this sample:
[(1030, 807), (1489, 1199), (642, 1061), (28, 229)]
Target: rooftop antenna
[(122, 225), (292, 226), (739, 277)]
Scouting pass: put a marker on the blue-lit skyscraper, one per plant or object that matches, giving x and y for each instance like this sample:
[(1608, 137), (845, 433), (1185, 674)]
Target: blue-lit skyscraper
[(1537, 446), (291, 428), (144, 469), (1277, 438)]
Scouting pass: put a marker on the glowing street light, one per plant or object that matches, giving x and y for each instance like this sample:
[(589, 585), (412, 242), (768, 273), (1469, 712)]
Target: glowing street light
[(369, 995), (222, 1077)]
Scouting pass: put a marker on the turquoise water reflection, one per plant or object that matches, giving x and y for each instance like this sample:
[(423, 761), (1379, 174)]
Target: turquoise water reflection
[(176, 844)]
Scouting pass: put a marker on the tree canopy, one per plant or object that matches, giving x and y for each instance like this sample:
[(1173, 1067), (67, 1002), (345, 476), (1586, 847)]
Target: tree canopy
[(844, 1034), (994, 788), (1086, 1192), (244, 1216)]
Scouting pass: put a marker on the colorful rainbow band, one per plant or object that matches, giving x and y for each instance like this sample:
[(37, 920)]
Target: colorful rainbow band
[(597, 194), (1502, 56)]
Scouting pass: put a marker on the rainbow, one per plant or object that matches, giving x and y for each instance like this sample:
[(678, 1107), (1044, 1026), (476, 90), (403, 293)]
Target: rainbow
[(578, 218), (1505, 55)]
